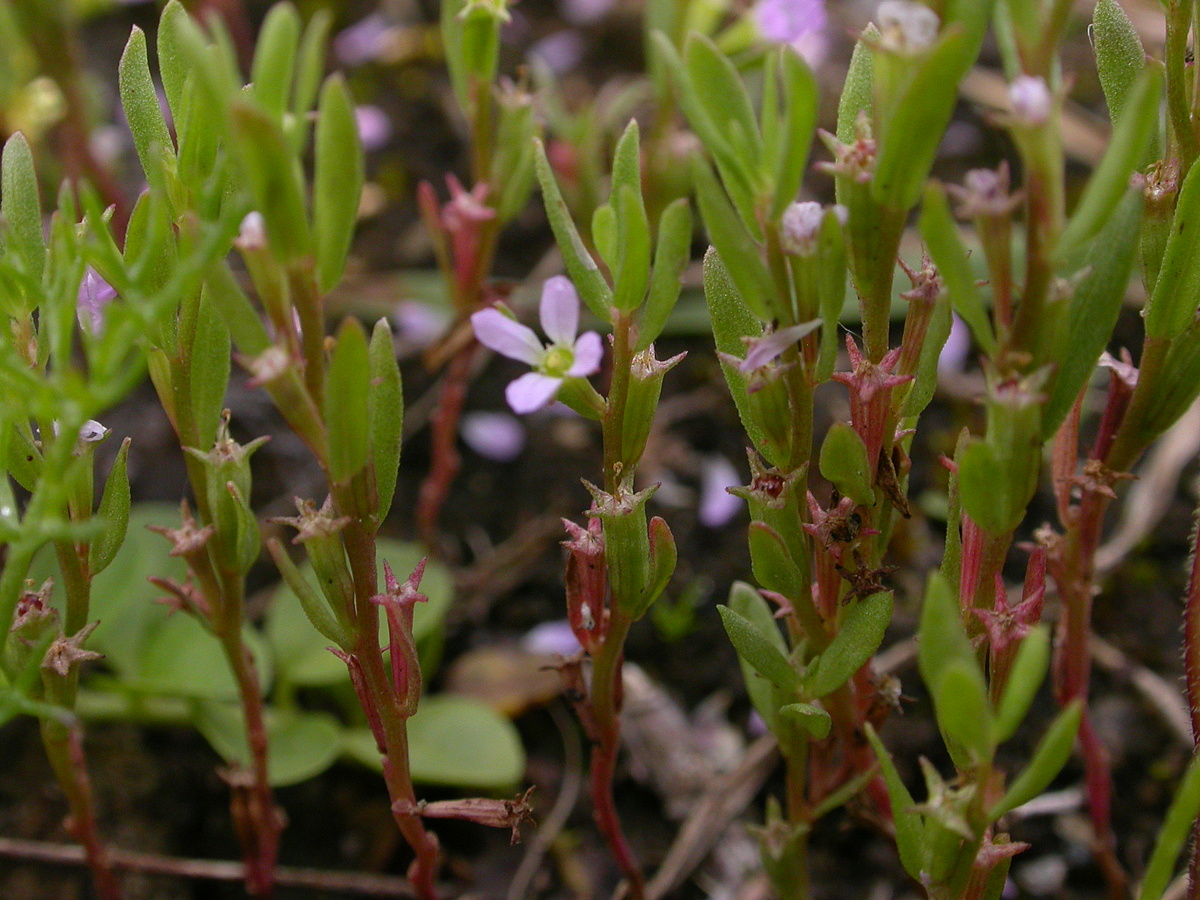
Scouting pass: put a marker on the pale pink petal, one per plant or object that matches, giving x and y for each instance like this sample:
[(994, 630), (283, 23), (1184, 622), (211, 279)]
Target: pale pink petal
[(531, 392), (551, 637), (560, 310), (589, 349), (766, 348), (717, 505), (495, 435), (498, 332)]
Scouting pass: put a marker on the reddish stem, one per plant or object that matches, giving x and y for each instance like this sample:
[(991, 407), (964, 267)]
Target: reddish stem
[(446, 461), (81, 823)]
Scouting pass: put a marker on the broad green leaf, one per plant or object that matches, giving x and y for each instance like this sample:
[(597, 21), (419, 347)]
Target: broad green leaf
[(844, 462), (1049, 758), (347, 402), (1024, 678), (986, 493), (181, 658), (113, 513), (759, 650), (337, 182), (454, 742), (139, 100), (1176, 828), (300, 745), (385, 412), (774, 567), (21, 206), (856, 641), (1120, 57), (275, 58), (749, 603)]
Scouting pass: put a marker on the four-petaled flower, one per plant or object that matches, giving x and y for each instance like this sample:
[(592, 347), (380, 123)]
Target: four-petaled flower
[(565, 357)]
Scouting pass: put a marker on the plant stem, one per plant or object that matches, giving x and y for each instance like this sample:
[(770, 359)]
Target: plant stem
[(1191, 673)]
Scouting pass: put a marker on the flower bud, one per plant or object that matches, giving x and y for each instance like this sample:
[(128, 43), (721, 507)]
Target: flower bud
[(906, 26), (1031, 100)]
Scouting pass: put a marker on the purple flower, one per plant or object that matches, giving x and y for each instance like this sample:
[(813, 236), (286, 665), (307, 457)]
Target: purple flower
[(762, 351), (787, 21), (94, 294), (374, 127), (565, 357), (717, 505), (494, 435)]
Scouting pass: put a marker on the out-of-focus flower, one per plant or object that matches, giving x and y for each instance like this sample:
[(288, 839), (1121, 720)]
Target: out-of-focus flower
[(552, 637), (800, 23), (560, 51), (801, 225), (94, 294), (717, 505), (585, 12), (565, 357), (906, 26), (252, 233), (953, 357), (374, 127), (363, 41), (494, 435), (1031, 100)]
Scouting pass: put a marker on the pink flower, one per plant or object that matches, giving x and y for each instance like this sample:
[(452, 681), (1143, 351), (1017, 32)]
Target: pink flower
[(94, 294), (565, 357), (787, 21)]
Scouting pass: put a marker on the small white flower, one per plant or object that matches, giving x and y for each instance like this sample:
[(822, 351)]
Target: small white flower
[(1031, 100), (801, 225), (565, 357), (907, 26), (92, 432), (252, 233)]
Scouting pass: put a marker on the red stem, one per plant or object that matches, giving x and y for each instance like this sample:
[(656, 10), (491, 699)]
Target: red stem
[(446, 461)]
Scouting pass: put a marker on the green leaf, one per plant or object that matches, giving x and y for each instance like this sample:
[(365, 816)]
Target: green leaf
[(945, 246), (941, 638), (1110, 181), (385, 412), (774, 567), (671, 257), (756, 648), (454, 742), (300, 745), (315, 606), (584, 272), (1024, 678), (301, 651), (964, 712), (857, 90), (172, 65), (1176, 828), (908, 824), (1177, 290), (856, 641), (276, 184), (789, 154), (310, 64), (347, 402), (139, 100), (984, 489), (230, 302), (181, 658), (1120, 57), (337, 182), (1049, 758), (209, 355), (808, 716), (21, 206), (749, 603), (275, 58), (113, 512), (716, 85), (633, 250), (737, 247), (844, 462)]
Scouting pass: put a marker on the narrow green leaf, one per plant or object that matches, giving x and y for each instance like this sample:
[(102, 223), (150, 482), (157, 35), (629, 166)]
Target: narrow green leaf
[(945, 246), (584, 272), (311, 601), (858, 638), (1120, 57), (718, 87), (844, 462), (757, 649), (808, 716), (749, 603), (985, 490), (671, 258), (1049, 758), (857, 90), (385, 411), (275, 58), (347, 402), (1126, 149), (1176, 828), (209, 356), (113, 512), (774, 567), (338, 181), (172, 65), (964, 713), (908, 824), (21, 206), (633, 270), (139, 100), (941, 638), (1024, 678), (1177, 290), (790, 153), (233, 306)]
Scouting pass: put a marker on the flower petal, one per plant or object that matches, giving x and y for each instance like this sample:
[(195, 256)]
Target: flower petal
[(495, 435), (589, 350), (531, 392), (498, 332), (560, 310), (764, 349)]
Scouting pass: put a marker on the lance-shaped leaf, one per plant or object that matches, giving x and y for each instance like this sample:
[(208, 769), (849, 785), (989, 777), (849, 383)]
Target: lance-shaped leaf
[(774, 567), (941, 639), (749, 603), (759, 651), (663, 557), (857, 91), (338, 181), (584, 272), (1120, 57), (315, 606), (1126, 149), (275, 58), (276, 184), (671, 257), (964, 713), (908, 824), (946, 247), (1024, 678), (858, 638), (1176, 828), (1049, 758), (239, 315), (21, 206), (385, 411), (209, 356), (1177, 290), (808, 716), (844, 462), (986, 489), (633, 249), (1095, 305), (347, 402), (787, 153), (310, 65), (113, 513), (139, 100)]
